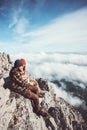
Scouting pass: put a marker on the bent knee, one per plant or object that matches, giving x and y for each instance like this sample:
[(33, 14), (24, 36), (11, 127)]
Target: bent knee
[(31, 95)]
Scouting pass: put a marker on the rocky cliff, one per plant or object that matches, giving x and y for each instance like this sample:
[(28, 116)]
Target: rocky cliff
[(16, 112)]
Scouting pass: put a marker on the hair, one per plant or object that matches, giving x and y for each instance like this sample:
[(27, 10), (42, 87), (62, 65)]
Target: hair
[(18, 63)]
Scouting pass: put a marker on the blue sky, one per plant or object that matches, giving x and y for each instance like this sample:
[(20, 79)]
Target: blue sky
[(43, 26)]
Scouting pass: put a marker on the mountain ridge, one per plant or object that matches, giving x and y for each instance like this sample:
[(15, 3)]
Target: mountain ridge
[(16, 112)]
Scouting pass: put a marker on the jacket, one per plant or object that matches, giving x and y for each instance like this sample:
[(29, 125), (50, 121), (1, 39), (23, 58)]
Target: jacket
[(18, 83)]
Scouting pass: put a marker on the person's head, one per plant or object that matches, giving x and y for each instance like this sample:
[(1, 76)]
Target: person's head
[(18, 64)]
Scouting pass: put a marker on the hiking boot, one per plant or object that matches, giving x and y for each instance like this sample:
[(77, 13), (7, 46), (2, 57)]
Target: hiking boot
[(42, 113)]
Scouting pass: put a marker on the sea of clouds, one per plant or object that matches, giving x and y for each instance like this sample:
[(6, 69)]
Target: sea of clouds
[(70, 67)]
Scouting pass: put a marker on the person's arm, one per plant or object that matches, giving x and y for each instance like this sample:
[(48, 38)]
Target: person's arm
[(17, 77)]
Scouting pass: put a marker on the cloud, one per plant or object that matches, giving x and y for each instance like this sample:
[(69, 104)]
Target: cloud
[(75, 101), (65, 34), (13, 23), (18, 22), (68, 32), (21, 26), (57, 66), (57, 71)]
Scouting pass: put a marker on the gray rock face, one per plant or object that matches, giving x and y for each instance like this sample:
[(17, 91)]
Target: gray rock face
[(16, 112), (5, 64)]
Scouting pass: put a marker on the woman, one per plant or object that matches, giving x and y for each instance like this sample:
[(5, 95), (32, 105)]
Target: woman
[(22, 85), (34, 86)]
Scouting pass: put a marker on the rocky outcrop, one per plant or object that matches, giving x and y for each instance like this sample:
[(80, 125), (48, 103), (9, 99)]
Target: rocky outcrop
[(5, 64), (77, 89), (16, 112)]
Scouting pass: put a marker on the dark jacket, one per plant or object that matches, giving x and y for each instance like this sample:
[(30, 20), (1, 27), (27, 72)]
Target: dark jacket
[(17, 81)]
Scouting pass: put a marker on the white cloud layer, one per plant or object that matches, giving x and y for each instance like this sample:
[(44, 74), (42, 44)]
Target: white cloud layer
[(75, 101), (67, 66), (57, 65)]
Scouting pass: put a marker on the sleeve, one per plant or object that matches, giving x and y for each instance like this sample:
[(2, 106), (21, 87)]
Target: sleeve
[(19, 80)]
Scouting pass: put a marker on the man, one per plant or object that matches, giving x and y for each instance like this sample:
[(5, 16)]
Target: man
[(21, 85)]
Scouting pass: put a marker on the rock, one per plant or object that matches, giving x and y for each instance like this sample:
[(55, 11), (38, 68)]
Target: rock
[(16, 112), (7, 107), (43, 84), (5, 64)]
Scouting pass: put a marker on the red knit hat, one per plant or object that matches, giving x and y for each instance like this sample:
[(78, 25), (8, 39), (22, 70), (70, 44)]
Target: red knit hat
[(23, 61)]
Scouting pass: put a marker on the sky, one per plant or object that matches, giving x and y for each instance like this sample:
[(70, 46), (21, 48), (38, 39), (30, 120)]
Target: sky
[(30, 26)]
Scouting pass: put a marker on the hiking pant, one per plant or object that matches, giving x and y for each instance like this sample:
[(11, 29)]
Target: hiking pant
[(34, 87), (32, 93)]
